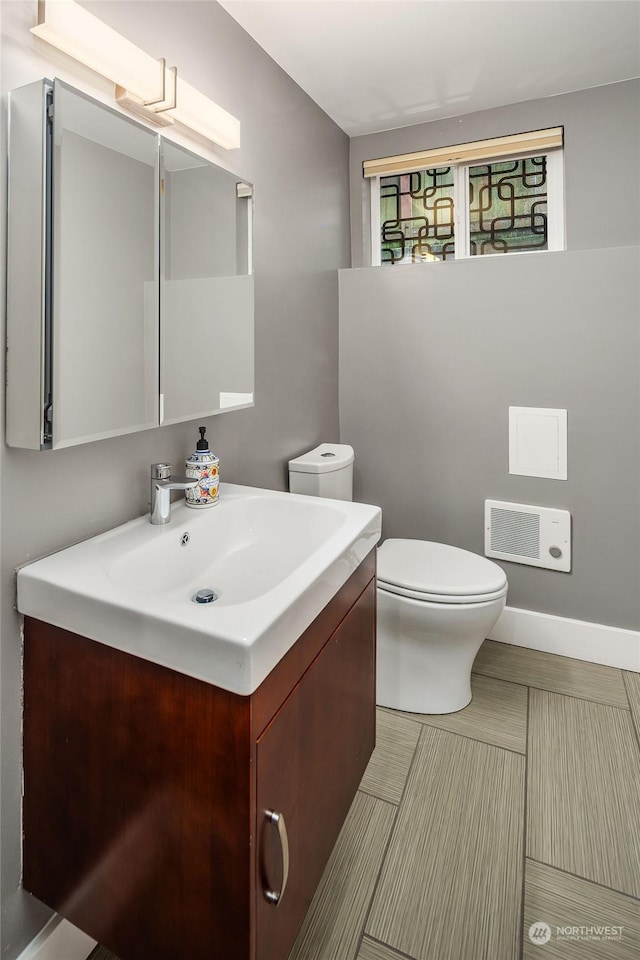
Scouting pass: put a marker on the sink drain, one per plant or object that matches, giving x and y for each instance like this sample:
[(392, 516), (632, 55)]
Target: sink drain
[(206, 595)]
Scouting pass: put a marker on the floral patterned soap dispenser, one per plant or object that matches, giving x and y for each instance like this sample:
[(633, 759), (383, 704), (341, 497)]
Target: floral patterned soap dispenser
[(203, 466)]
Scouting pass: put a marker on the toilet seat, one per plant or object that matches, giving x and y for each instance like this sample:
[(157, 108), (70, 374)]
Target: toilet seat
[(438, 573)]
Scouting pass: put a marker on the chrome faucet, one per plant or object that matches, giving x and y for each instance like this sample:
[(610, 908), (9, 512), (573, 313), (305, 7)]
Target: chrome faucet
[(162, 483)]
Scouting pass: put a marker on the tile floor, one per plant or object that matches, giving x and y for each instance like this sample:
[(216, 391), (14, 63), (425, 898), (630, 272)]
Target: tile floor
[(520, 813)]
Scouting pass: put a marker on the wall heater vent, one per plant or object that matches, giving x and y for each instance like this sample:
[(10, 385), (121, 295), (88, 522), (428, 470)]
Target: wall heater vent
[(538, 536)]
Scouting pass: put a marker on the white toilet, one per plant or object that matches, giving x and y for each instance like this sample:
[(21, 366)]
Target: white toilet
[(436, 603)]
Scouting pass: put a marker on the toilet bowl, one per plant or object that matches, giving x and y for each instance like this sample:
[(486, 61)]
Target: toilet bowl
[(436, 603)]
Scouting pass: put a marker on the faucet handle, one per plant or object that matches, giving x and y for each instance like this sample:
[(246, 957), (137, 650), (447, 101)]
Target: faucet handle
[(160, 471)]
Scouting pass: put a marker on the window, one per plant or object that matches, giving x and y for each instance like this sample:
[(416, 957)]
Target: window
[(477, 199)]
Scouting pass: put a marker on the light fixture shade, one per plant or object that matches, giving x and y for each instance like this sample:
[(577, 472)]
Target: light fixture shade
[(143, 85), (204, 116), (72, 29)]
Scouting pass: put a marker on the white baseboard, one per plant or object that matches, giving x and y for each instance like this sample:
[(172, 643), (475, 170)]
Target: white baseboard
[(579, 639), (59, 940)]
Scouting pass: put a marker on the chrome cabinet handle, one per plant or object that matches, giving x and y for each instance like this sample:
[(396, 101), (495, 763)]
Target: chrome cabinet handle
[(277, 819)]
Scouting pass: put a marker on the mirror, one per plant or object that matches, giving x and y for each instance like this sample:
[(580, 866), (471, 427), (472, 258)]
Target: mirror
[(105, 296), (206, 288), (129, 284)]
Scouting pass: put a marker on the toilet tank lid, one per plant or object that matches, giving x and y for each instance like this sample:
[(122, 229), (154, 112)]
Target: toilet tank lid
[(438, 568), (323, 459)]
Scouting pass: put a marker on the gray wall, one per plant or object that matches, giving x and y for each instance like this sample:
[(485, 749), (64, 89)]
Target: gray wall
[(51, 499), (432, 356), (430, 361)]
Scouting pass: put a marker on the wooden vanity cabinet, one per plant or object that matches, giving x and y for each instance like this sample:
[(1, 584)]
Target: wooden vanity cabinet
[(147, 791)]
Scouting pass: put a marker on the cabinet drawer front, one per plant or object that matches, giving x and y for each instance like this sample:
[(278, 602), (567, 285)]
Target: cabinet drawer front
[(310, 761)]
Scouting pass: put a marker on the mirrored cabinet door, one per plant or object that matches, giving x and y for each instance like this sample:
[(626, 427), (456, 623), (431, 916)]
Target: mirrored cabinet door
[(82, 270), (206, 288), (105, 272)]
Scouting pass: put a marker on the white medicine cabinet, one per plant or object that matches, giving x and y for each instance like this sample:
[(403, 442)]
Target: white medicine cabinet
[(129, 286)]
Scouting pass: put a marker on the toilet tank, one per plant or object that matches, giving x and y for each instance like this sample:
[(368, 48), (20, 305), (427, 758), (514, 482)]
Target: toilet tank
[(325, 471)]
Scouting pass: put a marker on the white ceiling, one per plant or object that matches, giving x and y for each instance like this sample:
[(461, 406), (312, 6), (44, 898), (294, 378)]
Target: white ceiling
[(378, 64)]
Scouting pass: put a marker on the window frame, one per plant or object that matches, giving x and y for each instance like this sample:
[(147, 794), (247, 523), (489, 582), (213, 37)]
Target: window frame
[(462, 238)]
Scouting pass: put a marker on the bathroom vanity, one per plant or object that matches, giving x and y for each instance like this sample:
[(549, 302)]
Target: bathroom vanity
[(150, 793)]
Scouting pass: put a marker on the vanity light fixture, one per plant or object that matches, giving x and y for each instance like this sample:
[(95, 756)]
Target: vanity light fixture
[(144, 85)]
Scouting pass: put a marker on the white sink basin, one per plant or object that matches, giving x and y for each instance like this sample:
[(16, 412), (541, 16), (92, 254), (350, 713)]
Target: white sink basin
[(273, 559)]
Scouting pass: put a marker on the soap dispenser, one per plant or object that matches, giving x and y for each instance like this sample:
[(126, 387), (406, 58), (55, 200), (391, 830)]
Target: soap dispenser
[(202, 465)]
